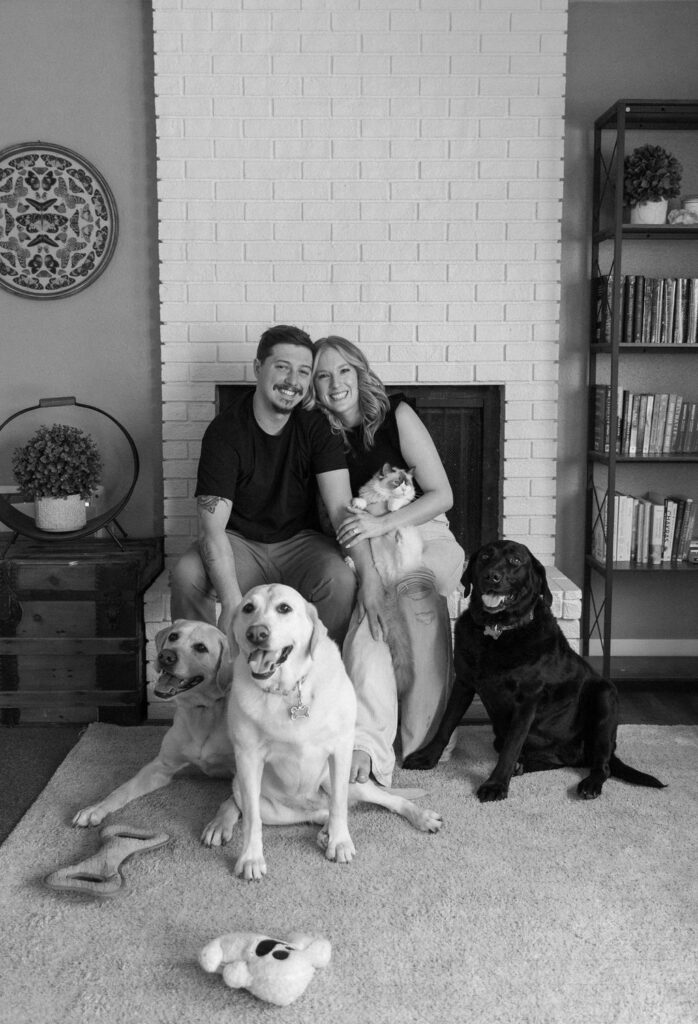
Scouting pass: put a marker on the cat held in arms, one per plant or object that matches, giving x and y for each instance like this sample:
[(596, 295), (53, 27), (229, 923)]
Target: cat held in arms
[(397, 552)]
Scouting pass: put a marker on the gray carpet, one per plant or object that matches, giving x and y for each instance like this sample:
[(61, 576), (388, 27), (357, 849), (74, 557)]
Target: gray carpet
[(540, 909)]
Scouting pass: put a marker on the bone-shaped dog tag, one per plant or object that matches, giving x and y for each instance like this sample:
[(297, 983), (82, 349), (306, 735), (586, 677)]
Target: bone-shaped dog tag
[(299, 710)]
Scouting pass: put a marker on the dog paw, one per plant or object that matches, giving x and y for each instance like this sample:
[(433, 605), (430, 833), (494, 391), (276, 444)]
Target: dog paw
[(590, 788), (219, 830), (216, 833), (341, 851), (491, 791), (89, 816), (422, 760), (251, 869), (427, 821)]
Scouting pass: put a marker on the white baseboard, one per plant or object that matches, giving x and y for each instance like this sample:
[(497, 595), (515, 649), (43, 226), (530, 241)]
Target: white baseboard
[(649, 648)]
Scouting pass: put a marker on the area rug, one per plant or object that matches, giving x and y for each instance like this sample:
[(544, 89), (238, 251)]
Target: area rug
[(542, 909)]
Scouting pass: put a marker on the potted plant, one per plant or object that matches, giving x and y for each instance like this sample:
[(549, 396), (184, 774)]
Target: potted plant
[(651, 177), (59, 468)]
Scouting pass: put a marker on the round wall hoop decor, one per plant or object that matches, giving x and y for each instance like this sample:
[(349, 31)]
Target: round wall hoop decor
[(58, 221)]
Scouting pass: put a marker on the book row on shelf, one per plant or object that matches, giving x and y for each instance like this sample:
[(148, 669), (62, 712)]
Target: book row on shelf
[(646, 424), (648, 530), (654, 310)]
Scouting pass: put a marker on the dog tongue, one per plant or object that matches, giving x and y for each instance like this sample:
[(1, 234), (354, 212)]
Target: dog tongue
[(493, 601), (262, 663)]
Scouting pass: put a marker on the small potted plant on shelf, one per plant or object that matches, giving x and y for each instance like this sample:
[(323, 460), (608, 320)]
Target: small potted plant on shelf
[(651, 177), (58, 468)]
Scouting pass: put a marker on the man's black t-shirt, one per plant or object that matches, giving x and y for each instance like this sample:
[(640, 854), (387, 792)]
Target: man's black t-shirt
[(270, 479)]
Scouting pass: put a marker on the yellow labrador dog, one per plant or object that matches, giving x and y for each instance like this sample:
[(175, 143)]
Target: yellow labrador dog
[(291, 714), (195, 672)]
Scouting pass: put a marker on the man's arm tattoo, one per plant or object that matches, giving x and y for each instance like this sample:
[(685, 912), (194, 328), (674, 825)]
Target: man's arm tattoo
[(208, 502), (207, 552)]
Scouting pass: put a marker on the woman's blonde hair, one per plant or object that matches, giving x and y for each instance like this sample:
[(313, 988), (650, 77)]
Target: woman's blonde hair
[(373, 399)]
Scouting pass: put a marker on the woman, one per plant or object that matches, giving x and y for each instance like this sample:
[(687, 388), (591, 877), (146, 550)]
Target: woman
[(377, 428)]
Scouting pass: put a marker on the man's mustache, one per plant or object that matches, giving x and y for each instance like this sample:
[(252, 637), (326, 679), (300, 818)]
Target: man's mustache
[(288, 387)]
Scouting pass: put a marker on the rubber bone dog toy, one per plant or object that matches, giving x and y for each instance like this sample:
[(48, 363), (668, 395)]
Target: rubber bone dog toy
[(276, 970), (100, 874)]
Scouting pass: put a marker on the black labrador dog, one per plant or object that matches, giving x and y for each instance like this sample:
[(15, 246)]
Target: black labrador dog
[(548, 708)]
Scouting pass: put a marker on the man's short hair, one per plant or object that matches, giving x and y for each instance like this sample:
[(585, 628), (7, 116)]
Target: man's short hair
[(283, 334)]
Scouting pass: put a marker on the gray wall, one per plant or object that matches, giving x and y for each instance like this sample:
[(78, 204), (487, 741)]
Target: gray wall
[(79, 73), (631, 50)]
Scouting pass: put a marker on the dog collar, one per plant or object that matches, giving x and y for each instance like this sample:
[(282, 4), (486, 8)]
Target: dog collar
[(299, 709), (495, 631)]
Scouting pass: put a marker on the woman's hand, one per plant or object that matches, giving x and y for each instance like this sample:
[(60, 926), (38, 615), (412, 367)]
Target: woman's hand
[(370, 602), (361, 526)]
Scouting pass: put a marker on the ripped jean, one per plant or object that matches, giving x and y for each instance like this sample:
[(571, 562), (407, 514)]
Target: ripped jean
[(309, 562), (402, 685)]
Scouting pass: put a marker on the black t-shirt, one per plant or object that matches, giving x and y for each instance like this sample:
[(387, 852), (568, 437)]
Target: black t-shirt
[(364, 462), (270, 479)]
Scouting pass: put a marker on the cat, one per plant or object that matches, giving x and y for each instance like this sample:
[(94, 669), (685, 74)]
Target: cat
[(399, 552), (389, 489)]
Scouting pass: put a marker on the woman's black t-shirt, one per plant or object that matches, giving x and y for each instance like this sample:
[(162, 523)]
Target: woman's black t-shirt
[(364, 462)]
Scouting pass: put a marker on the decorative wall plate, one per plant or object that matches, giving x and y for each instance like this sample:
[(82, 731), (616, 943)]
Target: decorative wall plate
[(58, 221)]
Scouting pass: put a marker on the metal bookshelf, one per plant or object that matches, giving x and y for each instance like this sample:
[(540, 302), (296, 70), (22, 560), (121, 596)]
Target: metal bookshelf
[(609, 237)]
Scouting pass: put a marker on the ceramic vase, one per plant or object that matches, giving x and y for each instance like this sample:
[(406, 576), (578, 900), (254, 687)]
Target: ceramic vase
[(649, 213), (60, 515)]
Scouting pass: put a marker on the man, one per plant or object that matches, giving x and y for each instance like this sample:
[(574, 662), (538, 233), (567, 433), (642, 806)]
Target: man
[(261, 462)]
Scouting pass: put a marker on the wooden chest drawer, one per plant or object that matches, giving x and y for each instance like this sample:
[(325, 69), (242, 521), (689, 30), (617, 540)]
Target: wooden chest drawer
[(71, 629)]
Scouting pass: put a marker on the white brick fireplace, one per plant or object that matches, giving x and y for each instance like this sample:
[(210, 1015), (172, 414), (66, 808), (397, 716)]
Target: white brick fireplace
[(389, 170)]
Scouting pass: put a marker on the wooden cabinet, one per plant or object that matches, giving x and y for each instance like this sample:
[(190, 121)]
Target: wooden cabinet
[(625, 359), (72, 642)]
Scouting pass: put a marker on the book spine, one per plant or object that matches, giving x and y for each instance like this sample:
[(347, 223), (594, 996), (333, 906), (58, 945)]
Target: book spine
[(680, 311), (636, 509), (669, 310), (600, 422), (669, 527), (692, 312), (634, 420), (684, 532), (647, 306), (641, 417), (676, 424), (656, 534), (665, 448), (688, 533), (659, 412), (626, 421), (638, 314), (604, 306), (624, 528), (689, 441), (680, 504), (649, 412), (643, 553), (628, 309), (657, 311)]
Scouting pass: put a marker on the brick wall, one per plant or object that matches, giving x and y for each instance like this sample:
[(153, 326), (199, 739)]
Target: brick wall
[(390, 170)]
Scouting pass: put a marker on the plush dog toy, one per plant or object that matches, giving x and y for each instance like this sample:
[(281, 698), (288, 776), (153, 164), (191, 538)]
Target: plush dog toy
[(276, 970)]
